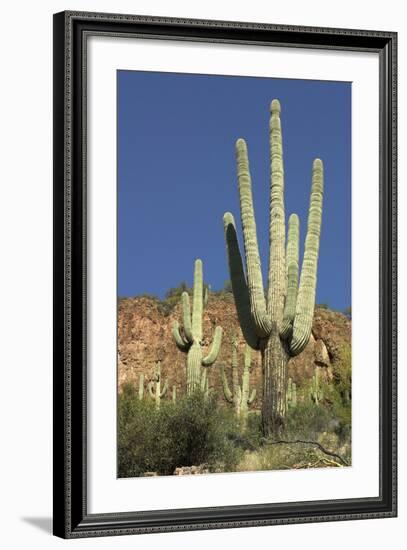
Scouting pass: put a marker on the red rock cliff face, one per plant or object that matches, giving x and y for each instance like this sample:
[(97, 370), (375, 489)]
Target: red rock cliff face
[(144, 337)]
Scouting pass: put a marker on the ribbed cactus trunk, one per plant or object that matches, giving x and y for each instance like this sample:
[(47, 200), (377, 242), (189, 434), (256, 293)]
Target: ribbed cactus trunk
[(188, 337), (274, 404), (240, 396), (277, 322), (154, 387)]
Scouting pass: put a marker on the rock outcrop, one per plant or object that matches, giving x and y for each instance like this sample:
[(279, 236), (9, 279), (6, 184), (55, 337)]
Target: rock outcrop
[(144, 337)]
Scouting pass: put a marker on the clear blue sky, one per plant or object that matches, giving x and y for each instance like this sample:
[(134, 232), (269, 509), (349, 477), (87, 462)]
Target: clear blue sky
[(177, 173)]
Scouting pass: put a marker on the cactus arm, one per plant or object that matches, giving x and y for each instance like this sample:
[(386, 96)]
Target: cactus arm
[(204, 379), (238, 280), (150, 389), (181, 344), (306, 294), (235, 373), (174, 394), (215, 348), (197, 307), (247, 357), (292, 255), (276, 272), (207, 389), (226, 390), (246, 398), (254, 275), (238, 397), (164, 390), (186, 316), (205, 296), (252, 397)]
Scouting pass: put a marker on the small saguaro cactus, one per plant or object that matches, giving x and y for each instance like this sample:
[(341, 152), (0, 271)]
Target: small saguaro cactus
[(276, 320), (189, 337), (141, 387), (291, 393), (240, 395), (316, 390), (205, 383), (154, 387)]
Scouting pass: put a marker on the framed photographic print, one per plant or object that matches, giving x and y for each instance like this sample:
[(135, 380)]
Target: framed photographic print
[(224, 274)]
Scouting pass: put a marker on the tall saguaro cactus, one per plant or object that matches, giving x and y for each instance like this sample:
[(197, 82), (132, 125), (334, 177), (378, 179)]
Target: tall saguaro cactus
[(154, 387), (240, 395), (141, 387), (277, 322), (189, 337)]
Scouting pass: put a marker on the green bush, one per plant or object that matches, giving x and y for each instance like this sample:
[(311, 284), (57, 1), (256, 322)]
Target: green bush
[(173, 297), (307, 420), (342, 371), (192, 431)]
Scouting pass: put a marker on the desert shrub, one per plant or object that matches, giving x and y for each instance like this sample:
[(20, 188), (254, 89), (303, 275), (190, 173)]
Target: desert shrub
[(166, 306), (172, 298), (225, 293), (135, 429), (283, 457), (341, 392), (342, 414), (348, 312), (307, 421), (191, 432), (254, 433), (149, 296), (342, 371)]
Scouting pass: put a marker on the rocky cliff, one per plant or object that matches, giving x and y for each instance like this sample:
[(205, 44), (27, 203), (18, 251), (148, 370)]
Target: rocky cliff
[(144, 337)]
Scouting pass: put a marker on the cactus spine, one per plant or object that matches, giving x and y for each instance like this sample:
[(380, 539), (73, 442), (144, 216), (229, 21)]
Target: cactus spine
[(141, 387), (291, 393), (189, 337), (240, 396), (154, 387), (316, 390), (280, 324)]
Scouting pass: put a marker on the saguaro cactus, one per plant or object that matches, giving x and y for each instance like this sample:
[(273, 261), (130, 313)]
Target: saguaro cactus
[(240, 395), (205, 389), (278, 324), (291, 393), (154, 387), (141, 387), (189, 337), (316, 390)]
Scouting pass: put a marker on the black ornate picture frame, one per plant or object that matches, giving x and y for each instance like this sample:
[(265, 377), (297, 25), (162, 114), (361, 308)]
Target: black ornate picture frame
[(71, 517)]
